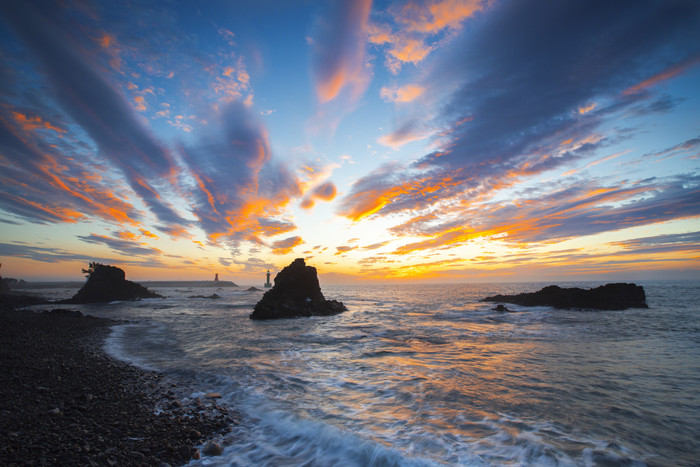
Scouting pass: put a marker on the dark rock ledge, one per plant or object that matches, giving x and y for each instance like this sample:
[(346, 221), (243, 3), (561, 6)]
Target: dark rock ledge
[(296, 293), (606, 297), (64, 402)]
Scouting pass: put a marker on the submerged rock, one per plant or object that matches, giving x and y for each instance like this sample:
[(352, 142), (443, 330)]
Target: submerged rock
[(212, 296), (107, 284), (253, 289), (296, 293), (606, 297)]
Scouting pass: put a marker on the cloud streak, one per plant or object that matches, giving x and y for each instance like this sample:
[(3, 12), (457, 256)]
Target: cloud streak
[(339, 51), (514, 115), (100, 110), (237, 185)]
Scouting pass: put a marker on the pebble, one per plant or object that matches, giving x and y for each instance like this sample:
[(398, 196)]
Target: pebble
[(212, 448)]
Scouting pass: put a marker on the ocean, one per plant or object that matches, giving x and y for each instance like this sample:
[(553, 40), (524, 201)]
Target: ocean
[(428, 375)]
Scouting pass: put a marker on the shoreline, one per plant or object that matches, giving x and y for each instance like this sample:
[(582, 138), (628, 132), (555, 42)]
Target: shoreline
[(64, 401)]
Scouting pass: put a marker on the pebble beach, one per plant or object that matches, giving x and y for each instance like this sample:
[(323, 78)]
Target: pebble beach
[(63, 401)]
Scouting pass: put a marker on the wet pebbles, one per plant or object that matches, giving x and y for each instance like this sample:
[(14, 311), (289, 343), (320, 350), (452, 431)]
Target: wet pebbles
[(64, 402)]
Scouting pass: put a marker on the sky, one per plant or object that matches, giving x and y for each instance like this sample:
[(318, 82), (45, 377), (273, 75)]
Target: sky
[(383, 141)]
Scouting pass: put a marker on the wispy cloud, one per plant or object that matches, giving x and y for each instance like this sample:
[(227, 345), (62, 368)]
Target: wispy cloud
[(339, 50), (326, 191), (507, 121), (417, 28), (100, 109), (402, 94), (237, 183), (282, 247), (225, 176), (124, 246)]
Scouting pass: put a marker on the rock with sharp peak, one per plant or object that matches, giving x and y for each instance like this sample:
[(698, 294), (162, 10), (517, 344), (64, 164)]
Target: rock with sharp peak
[(296, 293)]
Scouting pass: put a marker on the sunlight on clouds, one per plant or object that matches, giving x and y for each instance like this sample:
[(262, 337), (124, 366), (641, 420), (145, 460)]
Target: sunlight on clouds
[(407, 93), (339, 51), (283, 247), (507, 150), (664, 75), (414, 27), (35, 122)]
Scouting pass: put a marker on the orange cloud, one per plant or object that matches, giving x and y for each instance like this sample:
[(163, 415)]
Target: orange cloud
[(344, 249), (148, 234), (438, 15), (407, 93), (400, 137), (32, 123), (415, 23), (53, 213), (325, 191), (587, 108), (140, 103), (664, 75), (282, 247), (343, 66), (106, 40), (127, 235)]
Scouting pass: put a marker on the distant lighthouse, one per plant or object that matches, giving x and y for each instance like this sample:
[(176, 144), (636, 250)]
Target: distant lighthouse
[(267, 284), (216, 277)]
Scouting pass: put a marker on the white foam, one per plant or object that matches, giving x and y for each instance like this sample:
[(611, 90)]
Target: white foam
[(114, 347)]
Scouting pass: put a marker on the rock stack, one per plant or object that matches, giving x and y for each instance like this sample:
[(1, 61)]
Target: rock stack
[(606, 297), (296, 293), (107, 284)]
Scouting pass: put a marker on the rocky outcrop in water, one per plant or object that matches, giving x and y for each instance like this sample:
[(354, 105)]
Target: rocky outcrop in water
[(296, 293), (606, 297), (107, 284)]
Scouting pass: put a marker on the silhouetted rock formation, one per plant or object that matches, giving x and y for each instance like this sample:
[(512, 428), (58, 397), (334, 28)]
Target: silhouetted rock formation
[(501, 308), (108, 284), (212, 296), (605, 297), (253, 289), (296, 293)]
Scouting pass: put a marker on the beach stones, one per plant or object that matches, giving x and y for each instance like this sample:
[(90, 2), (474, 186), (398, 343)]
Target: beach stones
[(296, 293)]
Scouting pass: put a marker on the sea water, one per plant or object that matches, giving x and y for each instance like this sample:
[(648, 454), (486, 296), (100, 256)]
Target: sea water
[(429, 375)]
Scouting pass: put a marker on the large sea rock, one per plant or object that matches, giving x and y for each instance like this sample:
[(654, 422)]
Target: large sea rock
[(606, 297), (296, 293), (108, 284)]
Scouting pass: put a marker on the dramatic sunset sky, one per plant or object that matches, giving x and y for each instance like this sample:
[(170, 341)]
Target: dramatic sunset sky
[(428, 140)]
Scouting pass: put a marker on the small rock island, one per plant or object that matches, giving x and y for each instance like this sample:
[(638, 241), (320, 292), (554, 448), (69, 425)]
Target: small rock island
[(606, 297), (296, 293), (107, 284)]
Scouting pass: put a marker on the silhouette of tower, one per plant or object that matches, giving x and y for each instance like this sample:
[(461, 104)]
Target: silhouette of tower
[(267, 284), (216, 277)]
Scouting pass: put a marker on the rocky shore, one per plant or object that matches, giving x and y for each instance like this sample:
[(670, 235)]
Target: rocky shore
[(64, 402)]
